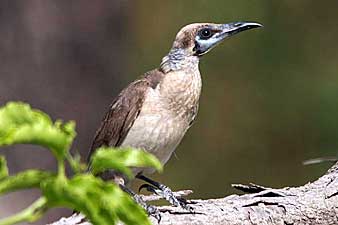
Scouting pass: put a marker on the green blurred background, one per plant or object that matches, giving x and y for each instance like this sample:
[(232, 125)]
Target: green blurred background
[(269, 99)]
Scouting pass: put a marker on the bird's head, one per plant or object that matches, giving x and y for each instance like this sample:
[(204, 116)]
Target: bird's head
[(194, 40), (198, 38)]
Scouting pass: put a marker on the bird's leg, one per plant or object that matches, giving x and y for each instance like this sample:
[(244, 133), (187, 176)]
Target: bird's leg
[(164, 191), (150, 209)]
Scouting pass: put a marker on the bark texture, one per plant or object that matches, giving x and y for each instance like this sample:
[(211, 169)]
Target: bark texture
[(314, 203)]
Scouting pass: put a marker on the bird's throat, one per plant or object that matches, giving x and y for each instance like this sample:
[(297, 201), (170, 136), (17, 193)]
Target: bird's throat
[(178, 59)]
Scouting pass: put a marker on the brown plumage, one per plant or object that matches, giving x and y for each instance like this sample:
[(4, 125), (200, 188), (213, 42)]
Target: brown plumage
[(123, 111), (154, 112)]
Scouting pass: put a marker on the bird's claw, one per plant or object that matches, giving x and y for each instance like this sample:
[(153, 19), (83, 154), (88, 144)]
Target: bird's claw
[(170, 197), (189, 208), (154, 212), (150, 209), (165, 192)]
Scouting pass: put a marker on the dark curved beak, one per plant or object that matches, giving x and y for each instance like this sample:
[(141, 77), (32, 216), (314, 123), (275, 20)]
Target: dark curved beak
[(231, 29)]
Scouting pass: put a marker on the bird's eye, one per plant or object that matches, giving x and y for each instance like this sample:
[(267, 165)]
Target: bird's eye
[(205, 33)]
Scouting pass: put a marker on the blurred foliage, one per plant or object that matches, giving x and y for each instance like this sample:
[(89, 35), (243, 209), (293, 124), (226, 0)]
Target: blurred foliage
[(103, 203), (19, 124), (3, 167), (122, 160)]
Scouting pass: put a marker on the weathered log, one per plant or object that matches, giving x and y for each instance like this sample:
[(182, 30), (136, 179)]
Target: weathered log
[(314, 203)]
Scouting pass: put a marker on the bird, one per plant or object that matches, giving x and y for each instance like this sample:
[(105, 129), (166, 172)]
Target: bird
[(154, 112)]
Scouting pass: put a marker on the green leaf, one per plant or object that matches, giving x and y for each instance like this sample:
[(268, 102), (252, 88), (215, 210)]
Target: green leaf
[(103, 203), (3, 167), (75, 163), (121, 159), (19, 124), (23, 180)]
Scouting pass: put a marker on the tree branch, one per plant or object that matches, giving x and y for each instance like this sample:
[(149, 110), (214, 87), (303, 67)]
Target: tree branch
[(313, 203)]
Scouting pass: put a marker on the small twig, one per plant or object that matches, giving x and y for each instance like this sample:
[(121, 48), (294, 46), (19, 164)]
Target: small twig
[(320, 160)]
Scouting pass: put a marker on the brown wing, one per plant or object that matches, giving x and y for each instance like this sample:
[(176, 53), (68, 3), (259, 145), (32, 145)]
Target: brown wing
[(123, 111)]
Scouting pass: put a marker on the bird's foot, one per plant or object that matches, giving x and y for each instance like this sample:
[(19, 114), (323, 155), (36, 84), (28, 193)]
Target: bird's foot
[(150, 209), (165, 192)]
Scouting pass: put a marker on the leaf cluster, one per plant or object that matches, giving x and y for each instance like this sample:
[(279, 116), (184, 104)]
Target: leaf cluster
[(101, 202)]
